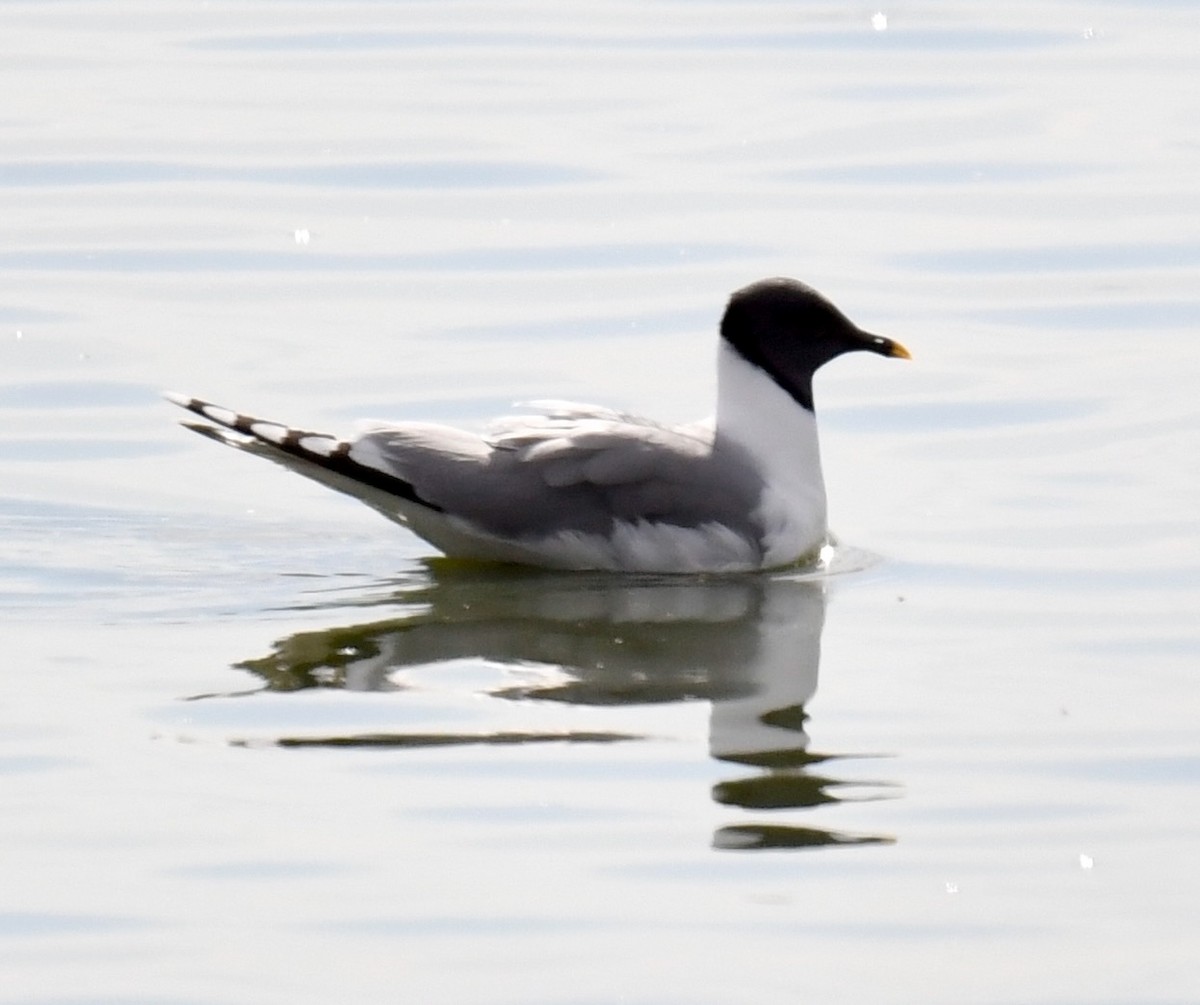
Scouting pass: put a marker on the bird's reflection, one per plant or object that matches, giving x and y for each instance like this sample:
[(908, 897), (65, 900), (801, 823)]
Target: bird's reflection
[(748, 644)]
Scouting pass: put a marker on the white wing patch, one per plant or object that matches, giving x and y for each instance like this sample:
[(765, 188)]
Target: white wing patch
[(319, 444), (272, 432)]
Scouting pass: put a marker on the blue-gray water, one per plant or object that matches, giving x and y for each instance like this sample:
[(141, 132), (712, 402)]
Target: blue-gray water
[(255, 748)]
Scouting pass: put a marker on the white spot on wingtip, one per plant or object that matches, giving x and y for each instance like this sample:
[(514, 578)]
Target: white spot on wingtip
[(272, 432), (321, 445), (220, 415), (182, 400)]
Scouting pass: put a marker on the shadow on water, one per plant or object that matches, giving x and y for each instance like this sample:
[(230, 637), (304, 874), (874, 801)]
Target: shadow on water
[(750, 645)]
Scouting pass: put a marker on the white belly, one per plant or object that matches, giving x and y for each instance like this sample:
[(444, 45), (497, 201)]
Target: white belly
[(631, 547)]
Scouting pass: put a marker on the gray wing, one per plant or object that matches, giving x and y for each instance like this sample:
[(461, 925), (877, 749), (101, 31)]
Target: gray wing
[(574, 468), (578, 467)]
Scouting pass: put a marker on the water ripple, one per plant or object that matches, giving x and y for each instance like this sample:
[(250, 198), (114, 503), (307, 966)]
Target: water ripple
[(1064, 257), (546, 258), (971, 39), (359, 175)]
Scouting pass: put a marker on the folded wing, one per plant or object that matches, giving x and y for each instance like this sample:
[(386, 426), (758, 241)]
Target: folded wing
[(572, 468)]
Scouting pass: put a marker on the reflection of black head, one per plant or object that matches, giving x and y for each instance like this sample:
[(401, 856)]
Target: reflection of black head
[(789, 330)]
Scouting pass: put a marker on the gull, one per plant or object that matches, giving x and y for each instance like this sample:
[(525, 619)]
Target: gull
[(579, 486)]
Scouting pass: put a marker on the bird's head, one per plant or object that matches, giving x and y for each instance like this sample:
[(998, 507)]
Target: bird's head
[(789, 330)]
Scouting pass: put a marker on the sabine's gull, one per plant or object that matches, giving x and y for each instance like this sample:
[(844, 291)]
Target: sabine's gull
[(585, 487)]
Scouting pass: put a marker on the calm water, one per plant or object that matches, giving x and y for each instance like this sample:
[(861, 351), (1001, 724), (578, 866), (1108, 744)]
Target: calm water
[(256, 747)]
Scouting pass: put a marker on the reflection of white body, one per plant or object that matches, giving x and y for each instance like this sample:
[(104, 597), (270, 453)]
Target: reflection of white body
[(750, 644), (783, 677)]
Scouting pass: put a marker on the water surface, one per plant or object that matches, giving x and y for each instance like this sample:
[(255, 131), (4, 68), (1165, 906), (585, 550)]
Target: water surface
[(258, 745)]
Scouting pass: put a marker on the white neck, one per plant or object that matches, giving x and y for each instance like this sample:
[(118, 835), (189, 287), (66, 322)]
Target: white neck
[(781, 436)]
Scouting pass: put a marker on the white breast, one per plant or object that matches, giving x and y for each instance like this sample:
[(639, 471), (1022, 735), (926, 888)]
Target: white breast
[(781, 437)]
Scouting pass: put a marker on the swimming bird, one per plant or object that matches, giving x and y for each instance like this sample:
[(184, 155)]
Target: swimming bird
[(585, 487)]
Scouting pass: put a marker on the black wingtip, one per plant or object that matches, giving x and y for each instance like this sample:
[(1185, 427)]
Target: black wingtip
[(289, 443)]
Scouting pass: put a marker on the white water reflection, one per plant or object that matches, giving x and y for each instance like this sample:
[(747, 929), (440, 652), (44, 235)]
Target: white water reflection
[(749, 645)]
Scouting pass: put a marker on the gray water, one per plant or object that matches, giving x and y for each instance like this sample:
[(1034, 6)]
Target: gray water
[(256, 745)]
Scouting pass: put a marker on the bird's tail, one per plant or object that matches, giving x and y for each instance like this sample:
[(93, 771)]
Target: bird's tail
[(321, 456), (237, 429)]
